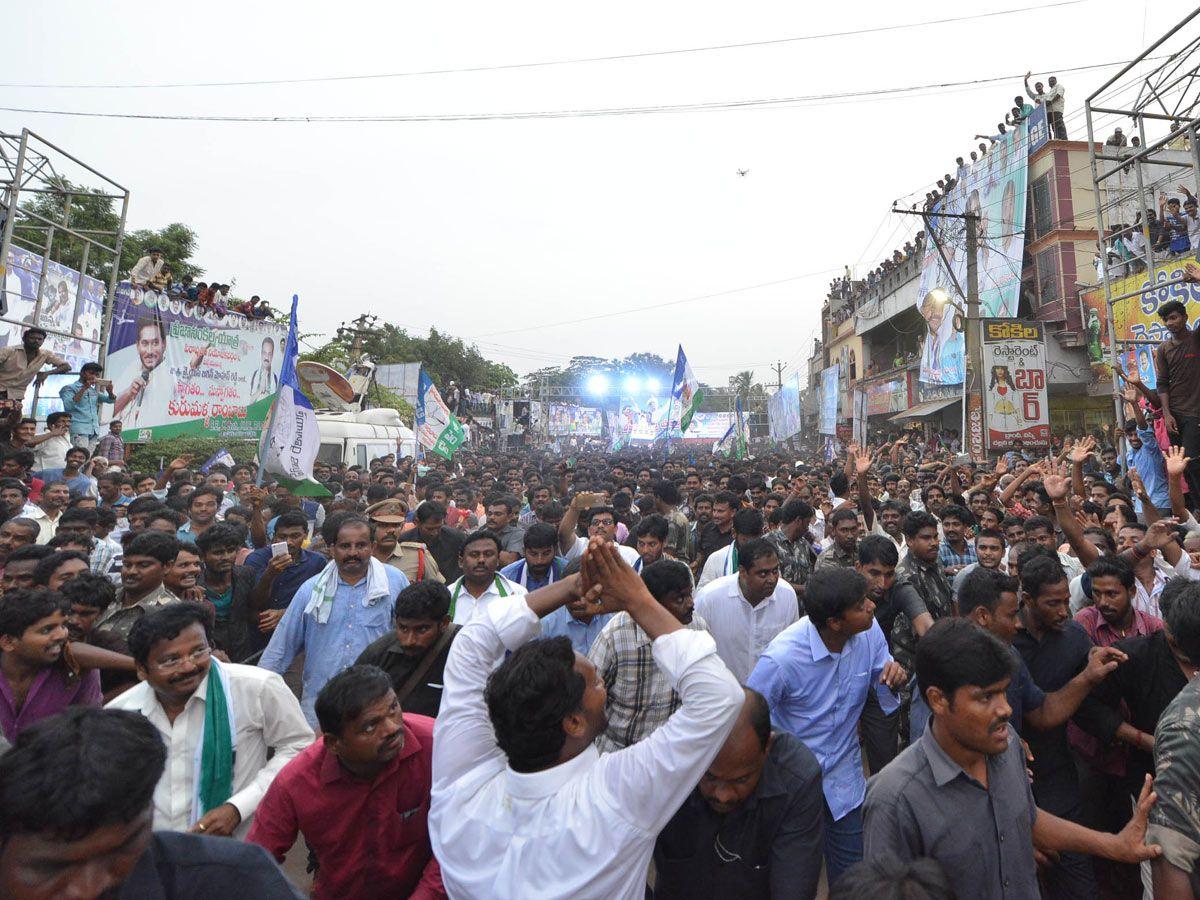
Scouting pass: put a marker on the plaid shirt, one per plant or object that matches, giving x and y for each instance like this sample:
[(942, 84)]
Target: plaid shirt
[(640, 698), (106, 560), (948, 556)]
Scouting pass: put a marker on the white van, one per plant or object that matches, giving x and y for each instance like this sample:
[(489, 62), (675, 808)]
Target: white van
[(356, 438)]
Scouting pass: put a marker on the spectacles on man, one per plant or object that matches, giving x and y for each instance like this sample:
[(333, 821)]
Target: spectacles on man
[(170, 663)]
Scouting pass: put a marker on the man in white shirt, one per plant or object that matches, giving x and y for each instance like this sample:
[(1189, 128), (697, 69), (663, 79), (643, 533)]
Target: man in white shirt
[(523, 804), (220, 718), (480, 583), (747, 526), (601, 522), (745, 611), (52, 447), (146, 268)]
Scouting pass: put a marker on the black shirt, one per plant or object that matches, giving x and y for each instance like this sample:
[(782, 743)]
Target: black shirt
[(426, 697), (445, 550), (192, 867), (1053, 661), (1147, 682), (770, 846), (711, 539)]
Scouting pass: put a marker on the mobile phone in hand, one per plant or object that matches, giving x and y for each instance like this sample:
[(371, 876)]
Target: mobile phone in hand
[(280, 548)]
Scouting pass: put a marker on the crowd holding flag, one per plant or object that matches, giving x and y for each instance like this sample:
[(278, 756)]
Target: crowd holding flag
[(685, 391)]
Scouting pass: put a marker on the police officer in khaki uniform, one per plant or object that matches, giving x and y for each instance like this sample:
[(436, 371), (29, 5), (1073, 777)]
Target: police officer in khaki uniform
[(412, 558)]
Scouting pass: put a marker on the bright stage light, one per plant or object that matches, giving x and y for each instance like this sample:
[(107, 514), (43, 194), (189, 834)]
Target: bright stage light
[(631, 385), (651, 385), (598, 385)]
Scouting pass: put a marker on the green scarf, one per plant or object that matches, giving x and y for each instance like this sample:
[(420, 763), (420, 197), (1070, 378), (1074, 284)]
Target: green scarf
[(214, 766)]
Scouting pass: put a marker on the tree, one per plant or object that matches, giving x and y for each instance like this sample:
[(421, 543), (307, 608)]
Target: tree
[(443, 357), (92, 214), (742, 384)]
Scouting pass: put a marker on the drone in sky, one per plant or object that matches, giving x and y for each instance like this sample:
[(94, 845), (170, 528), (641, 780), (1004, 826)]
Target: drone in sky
[(743, 172)]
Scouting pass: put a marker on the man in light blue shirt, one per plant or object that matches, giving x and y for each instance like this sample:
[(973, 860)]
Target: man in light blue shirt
[(1145, 455), (573, 621), (332, 635), (815, 675), (82, 400)]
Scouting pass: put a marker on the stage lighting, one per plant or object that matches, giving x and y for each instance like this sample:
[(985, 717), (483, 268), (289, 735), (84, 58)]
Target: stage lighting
[(631, 385), (651, 385), (598, 385)]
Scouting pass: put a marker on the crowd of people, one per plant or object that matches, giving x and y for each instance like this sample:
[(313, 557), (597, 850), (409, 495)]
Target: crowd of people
[(152, 272), (509, 675)]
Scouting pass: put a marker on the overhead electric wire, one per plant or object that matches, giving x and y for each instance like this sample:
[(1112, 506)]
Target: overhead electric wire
[(316, 79), (708, 106)]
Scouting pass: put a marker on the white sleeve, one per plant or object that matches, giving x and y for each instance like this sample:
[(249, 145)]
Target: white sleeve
[(576, 550), (284, 730), (462, 736), (649, 780), (712, 568)]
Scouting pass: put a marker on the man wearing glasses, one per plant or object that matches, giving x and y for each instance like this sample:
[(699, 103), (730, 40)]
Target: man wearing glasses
[(601, 522), (228, 728)]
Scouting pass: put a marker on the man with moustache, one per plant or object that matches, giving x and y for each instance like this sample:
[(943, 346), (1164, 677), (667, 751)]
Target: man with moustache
[(960, 795), (228, 728), (480, 583), (414, 653), (335, 615), (360, 795), (21, 365)]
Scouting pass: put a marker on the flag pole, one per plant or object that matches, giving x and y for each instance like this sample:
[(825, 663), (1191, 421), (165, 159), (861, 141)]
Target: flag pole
[(263, 441), (671, 405)]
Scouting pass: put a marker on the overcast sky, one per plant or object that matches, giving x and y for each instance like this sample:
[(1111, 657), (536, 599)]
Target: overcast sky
[(497, 230)]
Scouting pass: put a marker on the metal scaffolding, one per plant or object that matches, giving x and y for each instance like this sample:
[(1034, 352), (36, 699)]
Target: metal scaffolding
[(32, 171), (1158, 93)]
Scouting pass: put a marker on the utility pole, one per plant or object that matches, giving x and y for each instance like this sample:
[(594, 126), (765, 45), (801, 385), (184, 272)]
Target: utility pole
[(362, 326), (779, 367), (972, 430)]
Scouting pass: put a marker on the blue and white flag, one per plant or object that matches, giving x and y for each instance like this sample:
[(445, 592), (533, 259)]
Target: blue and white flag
[(221, 457), (438, 429), (290, 444)]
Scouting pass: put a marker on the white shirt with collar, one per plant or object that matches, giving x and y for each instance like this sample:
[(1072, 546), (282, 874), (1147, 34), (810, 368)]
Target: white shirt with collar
[(584, 828), (51, 453), (743, 631), (466, 606), (716, 566), (627, 553), (267, 715)]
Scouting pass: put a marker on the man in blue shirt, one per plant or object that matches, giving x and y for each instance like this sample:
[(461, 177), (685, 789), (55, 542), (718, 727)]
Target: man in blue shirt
[(279, 577), (80, 484), (1144, 454), (336, 615), (82, 400), (539, 565), (816, 675)]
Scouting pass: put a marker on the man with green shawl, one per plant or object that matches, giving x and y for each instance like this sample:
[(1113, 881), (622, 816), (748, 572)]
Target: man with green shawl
[(219, 721)]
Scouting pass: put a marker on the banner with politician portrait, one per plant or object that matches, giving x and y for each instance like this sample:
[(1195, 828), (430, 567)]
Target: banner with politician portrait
[(1015, 395), (178, 369), (992, 190)]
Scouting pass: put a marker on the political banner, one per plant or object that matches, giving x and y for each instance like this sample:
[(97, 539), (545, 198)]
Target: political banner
[(569, 419), (72, 310), (438, 429), (829, 400), (1015, 395), (993, 189), (783, 410), (1140, 358), (1038, 129), (887, 397), (1135, 319), (178, 369)]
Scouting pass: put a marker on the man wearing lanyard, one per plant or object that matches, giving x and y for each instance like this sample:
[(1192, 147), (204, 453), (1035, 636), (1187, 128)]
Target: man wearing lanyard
[(747, 526), (539, 566), (480, 582)]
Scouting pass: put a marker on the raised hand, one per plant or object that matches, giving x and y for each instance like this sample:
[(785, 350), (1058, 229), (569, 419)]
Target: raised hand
[(1177, 463), (1160, 533), (862, 462), (1135, 482), (1056, 482), (1082, 449), (1130, 841)]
